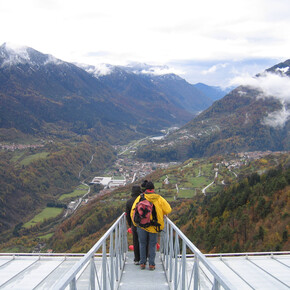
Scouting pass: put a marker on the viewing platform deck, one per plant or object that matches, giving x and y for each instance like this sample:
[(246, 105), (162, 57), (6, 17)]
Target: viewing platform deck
[(245, 271), (108, 265)]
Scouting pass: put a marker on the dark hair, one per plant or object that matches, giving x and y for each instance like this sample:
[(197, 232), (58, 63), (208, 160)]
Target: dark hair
[(150, 185), (143, 185), (136, 190)]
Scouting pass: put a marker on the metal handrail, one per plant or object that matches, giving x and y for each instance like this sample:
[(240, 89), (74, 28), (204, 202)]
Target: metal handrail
[(108, 276), (174, 261)]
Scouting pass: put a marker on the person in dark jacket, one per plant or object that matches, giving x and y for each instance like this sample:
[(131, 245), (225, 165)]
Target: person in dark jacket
[(136, 190), (143, 185)]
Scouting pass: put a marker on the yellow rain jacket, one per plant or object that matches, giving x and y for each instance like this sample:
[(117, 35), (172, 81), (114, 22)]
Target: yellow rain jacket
[(162, 208)]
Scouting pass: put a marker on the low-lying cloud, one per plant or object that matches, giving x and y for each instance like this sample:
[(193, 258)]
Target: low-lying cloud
[(270, 85), (277, 118)]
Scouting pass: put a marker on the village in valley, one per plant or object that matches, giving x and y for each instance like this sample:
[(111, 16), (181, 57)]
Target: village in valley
[(127, 169), (186, 180)]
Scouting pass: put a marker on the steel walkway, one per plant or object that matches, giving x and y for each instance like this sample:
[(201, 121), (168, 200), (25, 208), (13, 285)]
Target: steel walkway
[(133, 277)]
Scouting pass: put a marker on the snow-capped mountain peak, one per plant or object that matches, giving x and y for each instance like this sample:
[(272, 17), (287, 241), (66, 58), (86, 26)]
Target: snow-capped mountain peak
[(12, 54), (98, 70), (156, 70), (102, 69)]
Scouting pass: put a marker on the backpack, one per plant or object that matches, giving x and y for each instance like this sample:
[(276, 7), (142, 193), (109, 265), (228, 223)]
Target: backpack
[(142, 214)]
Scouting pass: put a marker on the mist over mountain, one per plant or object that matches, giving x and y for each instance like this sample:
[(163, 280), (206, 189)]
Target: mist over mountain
[(44, 95), (254, 116)]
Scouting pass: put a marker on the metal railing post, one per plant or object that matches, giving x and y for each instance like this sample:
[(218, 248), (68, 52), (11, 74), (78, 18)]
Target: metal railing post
[(104, 266), (196, 273), (112, 270), (92, 273), (162, 243), (183, 281), (176, 246), (117, 253), (72, 285), (171, 254), (120, 248), (125, 236), (167, 244), (216, 285)]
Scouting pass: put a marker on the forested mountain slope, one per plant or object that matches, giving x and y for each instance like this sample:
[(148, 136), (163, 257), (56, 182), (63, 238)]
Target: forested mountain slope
[(250, 213), (41, 95), (247, 119), (31, 178)]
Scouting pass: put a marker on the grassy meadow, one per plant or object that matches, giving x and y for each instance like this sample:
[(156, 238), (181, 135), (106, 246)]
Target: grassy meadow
[(48, 212)]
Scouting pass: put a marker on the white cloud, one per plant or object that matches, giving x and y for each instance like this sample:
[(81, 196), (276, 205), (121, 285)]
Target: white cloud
[(210, 70), (150, 31), (159, 70), (214, 68), (277, 118), (98, 70), (271, 86)]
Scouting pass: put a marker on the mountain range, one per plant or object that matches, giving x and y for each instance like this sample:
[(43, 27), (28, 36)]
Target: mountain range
[(46, 97), (42, 95), (251, 117), (213, 92)]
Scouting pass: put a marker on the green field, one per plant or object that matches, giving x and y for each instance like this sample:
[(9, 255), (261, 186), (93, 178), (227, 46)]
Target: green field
[(46, 237), (186, 193), (48, 212), (17, 155), (79, 191), (158, 185), (28, 159)]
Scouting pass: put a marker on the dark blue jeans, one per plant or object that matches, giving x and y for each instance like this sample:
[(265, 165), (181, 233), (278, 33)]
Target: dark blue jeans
[(144, 238)]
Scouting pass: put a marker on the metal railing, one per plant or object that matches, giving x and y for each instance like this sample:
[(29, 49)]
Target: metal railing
[(182, 270), (108, 275)]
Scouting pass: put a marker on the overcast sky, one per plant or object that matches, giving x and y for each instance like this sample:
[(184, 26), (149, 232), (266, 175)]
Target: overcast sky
[(209, 41)]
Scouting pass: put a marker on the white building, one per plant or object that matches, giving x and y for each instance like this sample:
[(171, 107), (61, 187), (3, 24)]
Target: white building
[(101, 180), (117, 182), (108, 182)]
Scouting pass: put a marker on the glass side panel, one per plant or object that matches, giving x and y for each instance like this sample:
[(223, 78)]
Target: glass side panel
[(206, 278), (4, 261), (83, 281), (58, 273), (284, 259), (33, 275), (229, 273), (257, 278), (280, 271), (14, 267)]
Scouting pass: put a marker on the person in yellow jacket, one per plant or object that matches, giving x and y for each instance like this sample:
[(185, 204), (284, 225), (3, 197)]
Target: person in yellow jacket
[(149, 234)]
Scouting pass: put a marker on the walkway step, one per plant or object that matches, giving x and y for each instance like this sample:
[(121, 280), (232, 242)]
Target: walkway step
[(135, 278)]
